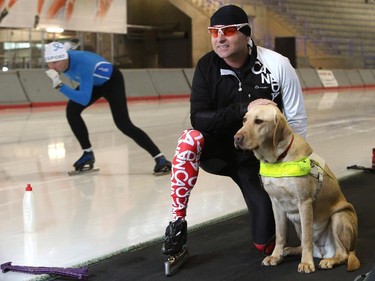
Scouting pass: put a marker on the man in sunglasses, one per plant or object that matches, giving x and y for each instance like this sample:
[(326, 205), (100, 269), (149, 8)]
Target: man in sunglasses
[(226, 81)]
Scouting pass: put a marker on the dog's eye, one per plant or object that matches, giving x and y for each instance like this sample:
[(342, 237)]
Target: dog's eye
[(258, 121), (244, 120)]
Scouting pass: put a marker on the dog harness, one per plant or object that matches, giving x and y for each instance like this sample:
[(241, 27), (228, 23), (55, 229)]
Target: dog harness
[(312, 165), (297, 168)]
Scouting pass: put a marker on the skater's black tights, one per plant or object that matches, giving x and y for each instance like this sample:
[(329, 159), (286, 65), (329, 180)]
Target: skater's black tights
[(246, 176), (258, 203), (114, 92)]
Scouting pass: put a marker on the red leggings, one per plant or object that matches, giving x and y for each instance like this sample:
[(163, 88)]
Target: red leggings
[(185, 170)]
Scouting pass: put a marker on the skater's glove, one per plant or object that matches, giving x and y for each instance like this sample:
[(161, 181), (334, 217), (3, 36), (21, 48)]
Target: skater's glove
[(55, 77)]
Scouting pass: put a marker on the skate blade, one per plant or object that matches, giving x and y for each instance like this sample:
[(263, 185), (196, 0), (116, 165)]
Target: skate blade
[(73, 173), (362, 168), (162, 173), (176, 261)]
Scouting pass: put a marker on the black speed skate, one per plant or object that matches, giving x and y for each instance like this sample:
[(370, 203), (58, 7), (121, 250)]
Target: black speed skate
[(362, 168), (84, 164), (175, 246), (162, 167)]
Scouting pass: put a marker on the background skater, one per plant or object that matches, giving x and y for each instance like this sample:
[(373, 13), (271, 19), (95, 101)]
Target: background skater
[(97, 78)]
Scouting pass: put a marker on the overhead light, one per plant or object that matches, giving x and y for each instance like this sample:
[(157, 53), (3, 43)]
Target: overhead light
[(54, 29)]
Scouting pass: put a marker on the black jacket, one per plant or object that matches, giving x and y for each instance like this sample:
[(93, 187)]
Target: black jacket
[(220, 95)]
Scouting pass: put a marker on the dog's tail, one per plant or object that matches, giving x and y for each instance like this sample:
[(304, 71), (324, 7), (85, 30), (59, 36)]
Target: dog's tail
[(353, 262)]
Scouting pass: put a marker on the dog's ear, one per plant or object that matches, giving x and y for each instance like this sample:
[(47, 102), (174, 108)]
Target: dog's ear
[(282, 130)]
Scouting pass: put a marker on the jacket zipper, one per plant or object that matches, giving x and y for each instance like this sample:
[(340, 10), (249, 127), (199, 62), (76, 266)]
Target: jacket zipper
[(230, 72)]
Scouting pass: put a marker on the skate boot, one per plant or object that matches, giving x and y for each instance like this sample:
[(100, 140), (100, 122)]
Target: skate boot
[(162, 167), (86, 162), (175, 246)]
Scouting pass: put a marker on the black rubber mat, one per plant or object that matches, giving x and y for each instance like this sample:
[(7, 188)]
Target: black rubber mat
[(223, 250)]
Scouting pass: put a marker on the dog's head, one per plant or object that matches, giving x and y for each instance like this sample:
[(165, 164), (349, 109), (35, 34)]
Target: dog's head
[(264, 127)]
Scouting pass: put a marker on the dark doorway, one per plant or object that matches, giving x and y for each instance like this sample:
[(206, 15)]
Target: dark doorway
[(287, 47), (174, 52)]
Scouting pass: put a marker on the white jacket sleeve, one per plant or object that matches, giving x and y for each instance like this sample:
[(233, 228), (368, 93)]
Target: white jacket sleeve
[(294, 106), (289, 88)]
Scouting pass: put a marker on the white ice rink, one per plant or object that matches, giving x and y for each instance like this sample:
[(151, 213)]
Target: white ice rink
[(85, 217)]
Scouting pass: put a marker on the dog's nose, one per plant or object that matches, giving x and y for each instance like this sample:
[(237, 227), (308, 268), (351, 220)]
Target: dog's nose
[(238, 138)]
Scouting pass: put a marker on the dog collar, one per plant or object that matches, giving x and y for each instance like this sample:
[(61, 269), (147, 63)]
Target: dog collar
[(297, 168), (282, 155)]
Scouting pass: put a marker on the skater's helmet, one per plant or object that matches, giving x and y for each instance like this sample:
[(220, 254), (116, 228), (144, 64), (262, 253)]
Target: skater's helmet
[(55, 51)]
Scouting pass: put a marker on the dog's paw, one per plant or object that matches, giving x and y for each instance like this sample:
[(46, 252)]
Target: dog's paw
[(306, 267), (271, 260), (292, 251), (327, 263)]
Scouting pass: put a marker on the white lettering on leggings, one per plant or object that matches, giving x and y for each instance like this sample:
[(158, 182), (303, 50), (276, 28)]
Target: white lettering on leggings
[(185, 170)]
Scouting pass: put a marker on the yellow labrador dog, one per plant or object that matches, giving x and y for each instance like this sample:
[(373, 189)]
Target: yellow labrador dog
[(302, 189)]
